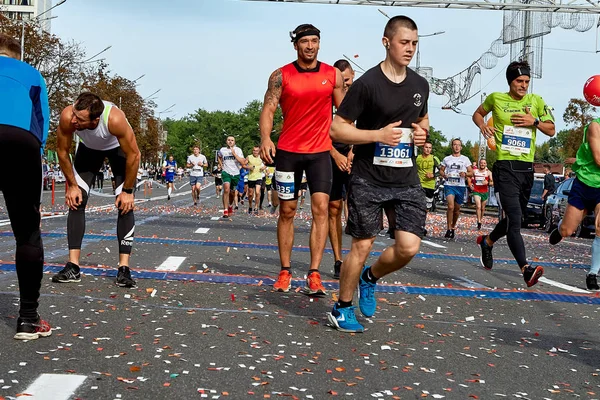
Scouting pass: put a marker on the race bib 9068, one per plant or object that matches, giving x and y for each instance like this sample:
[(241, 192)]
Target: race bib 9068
[(517, 141)]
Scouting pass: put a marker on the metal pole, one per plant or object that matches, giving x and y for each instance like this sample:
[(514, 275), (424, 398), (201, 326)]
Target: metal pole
[(22, 38)]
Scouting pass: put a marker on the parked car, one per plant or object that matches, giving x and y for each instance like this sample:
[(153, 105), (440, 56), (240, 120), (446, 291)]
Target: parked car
[(556, 206), (533, 215), (46, 176)]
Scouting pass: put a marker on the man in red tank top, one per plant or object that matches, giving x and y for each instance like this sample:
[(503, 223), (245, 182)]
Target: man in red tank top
[(306, 89)]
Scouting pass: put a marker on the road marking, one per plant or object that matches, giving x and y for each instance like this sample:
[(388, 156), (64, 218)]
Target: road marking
[(463, 281), (215, 218), (439, 246), (171, 264), (202, 230), (562, 285), (565, 240), (54, 387)]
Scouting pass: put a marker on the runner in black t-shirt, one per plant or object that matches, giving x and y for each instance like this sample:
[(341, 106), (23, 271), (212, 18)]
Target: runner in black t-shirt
[(389, 105), (341, 162)]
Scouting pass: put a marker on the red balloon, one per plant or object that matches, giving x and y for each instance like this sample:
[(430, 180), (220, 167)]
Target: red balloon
[(591, 90)]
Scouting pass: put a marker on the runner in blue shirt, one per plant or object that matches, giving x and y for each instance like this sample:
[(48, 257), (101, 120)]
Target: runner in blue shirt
[(170, 168)]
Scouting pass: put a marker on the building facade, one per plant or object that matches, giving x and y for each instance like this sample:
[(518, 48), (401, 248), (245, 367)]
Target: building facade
[(27, 10)]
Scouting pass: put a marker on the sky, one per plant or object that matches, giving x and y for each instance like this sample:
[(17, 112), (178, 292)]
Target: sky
[(218, 54)]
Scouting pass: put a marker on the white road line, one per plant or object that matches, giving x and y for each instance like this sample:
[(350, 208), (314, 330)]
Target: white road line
[(562, 285), (439, 246), (54, 387), (564, 241), (215, 218), (4, 222), (466, 282), (202, 230), (171, 264)]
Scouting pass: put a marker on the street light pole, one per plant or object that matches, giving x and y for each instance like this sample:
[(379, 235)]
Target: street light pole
[(96, 55), (419, 48), (23, 33), (147, 97), (36, 18)]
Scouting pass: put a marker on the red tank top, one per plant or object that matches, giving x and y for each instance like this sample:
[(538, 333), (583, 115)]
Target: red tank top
[(306, 101), (479, 176)]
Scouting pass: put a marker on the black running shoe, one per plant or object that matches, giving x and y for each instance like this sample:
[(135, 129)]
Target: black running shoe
[(124, 278), (32, 329), (336, 269), (555, 237), (591, 282), (451, 234), (486, 259), (479, 226), (425, 232), (70, 273), (448, 234), (532, 274)]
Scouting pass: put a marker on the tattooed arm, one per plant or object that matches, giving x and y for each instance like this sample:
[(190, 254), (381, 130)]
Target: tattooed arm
[(267, 147)]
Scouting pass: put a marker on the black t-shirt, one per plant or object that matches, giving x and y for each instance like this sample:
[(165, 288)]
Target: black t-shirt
[(549, 183), (374, 101)]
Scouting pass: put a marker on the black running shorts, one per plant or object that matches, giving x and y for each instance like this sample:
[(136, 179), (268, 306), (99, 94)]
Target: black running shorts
[(290, 166), (339, 183), (367, 201)]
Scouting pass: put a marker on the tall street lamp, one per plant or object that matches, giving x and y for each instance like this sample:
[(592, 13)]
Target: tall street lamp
[(91, 59), (35, 19), (148, 97), (419, 47)]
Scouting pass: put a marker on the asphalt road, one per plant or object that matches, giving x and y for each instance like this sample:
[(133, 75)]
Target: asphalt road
[(204, 322)]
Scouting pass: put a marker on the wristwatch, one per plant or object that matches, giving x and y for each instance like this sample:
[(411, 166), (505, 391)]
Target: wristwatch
[(536, 122), (128, 191)]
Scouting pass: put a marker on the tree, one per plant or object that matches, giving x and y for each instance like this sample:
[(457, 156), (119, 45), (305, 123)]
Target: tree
[(437, 140), (60, 64), (578, 113), (209, 129)]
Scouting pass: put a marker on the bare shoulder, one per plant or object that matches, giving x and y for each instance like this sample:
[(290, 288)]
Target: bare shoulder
[(64, 124), (274, 89), (117, 122), (276, 79)]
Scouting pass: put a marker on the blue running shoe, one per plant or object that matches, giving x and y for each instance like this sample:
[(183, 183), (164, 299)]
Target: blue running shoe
[(344, 319), (366, 296)]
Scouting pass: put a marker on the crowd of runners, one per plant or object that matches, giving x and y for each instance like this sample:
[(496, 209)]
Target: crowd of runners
[(368, 158)]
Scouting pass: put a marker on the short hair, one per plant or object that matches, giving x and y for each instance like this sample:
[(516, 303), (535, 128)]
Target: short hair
[(399, 21), (91, 102), (342, 65), (455, 139), (548, 167), (196, 145), (428, 142), (10, 46)]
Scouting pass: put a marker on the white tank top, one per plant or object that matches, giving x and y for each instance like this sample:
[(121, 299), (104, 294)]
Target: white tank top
[(100, 138)]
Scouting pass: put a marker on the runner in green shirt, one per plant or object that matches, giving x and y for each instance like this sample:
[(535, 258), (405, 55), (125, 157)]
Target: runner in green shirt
[(517, 116), (585, 197), (427, 165)]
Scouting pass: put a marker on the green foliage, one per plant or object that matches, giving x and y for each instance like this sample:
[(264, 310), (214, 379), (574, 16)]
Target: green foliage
[(578, 113), (437, 140), (210, 129)]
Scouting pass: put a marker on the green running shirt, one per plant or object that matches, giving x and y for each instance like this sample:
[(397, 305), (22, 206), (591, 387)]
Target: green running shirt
[(585, 167), (515, 143)]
